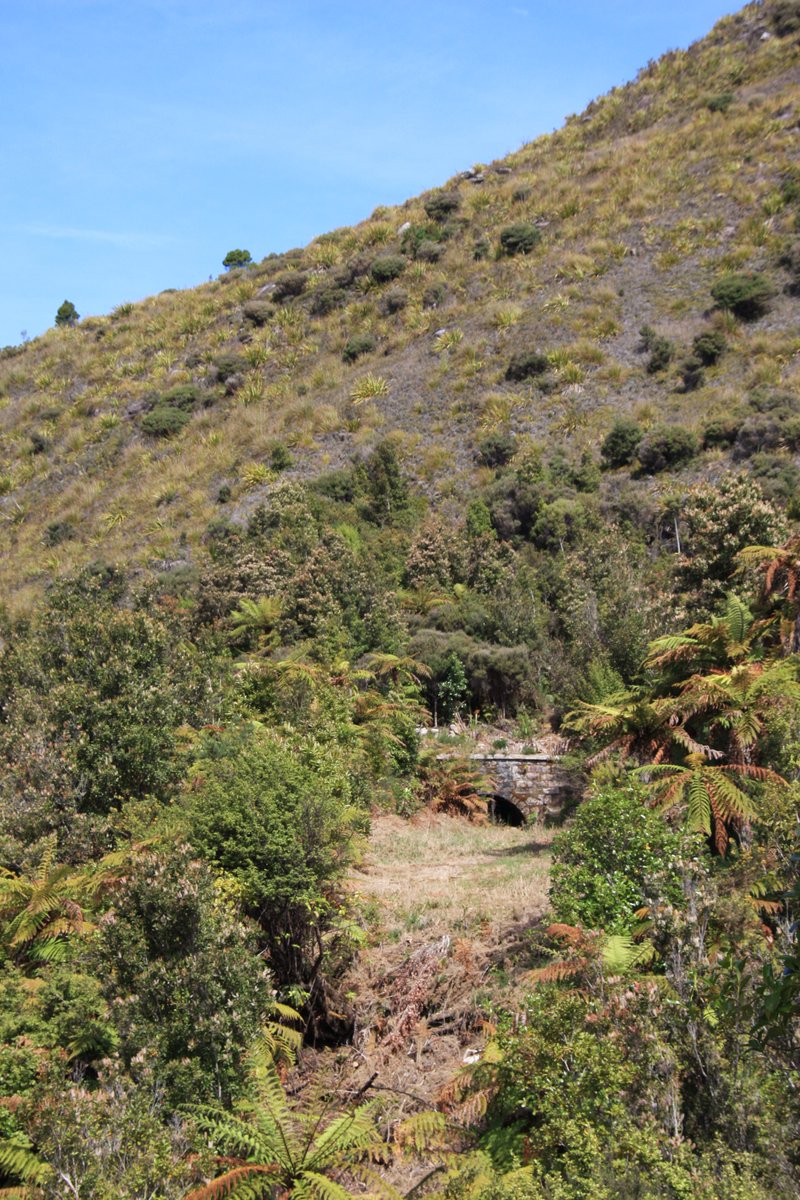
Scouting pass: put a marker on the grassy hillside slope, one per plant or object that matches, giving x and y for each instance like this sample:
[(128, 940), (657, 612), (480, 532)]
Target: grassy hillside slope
[(642, 203)]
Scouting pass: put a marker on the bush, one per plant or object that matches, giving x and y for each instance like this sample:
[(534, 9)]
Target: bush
[(526, 365), (257, 312), (661, 355), (280, 459), (185, 396), (393, 301), (481, 249), (164, 421), (666, 446), (786, 17), (434, 295), (429, 251), (67, 314), (692, 373), (228, 365), (519, 238), (759, 432), (744, 293), (720, 103), (709, 346), (290, 285), (621, 442), (358, 344), (236, 258), (496, 449), (790, 260), (720, 433), (605, 863), (326, 299), (387, 267), (441, 205)]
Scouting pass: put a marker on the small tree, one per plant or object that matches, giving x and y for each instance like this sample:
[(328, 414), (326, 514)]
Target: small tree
[(236, 258), (67, 314)]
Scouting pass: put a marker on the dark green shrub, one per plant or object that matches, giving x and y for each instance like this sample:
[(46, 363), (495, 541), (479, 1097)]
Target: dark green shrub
[(790, 261), (164, 421), (603, 865), (185, 396), (434, 295), (777, 475), (744, 293), (528, 364), (759, 432), (39, 443), (340, 485), (481, 249), (257, 312), (358, 344), (227, 365), (791, 434), (280, 459), (709, 346), (496, 449), (58, 532), (621, 443), (67, 314), (289, 286), (521, 194), (394, 300), (786, 17), (236, 258), (416, 235), (692, 373), (666, 446), (429, 251), (519, 238), (441, 205), (661, 354), (224, 494), (720, 433), (388, 267), (326, 298), (720, 103)]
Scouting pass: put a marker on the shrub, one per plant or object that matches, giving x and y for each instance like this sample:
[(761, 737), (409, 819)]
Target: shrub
[(519, 238), (228, 365), (666, 446), (720, 103), (434, 295), (790, 260), (497, 449), (481, 249), (67, 314), (441, 205), (526, 365), (280, 459), (358, 344), (326, 299), (164, 421), (692, 374), (258, 312), (661, 354), (720, 433), (621, 442), (394, 300), (290, 285), (605, 862), (786, 17), (184, 397), (709, 346), (759, 432), (429, 250), (744, 293), (237, 258), (521, 194), (387, 267), (58, 532)]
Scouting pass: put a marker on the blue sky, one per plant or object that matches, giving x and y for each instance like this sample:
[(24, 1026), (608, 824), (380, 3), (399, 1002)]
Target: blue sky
[(145, 138)]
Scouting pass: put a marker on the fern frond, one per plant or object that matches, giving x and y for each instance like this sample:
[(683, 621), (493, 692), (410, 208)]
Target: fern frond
[(311, 1186), (423, 1131), (230, 1184), (620, 953)]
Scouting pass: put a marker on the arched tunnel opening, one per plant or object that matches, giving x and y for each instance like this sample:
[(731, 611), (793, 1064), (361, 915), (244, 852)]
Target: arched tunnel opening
[(504, 812)]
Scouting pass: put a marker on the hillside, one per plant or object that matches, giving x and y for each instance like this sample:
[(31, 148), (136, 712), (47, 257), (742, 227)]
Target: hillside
[(628, 216)]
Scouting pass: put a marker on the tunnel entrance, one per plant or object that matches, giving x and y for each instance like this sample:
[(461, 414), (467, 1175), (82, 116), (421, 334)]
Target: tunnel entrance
[(504, 812)]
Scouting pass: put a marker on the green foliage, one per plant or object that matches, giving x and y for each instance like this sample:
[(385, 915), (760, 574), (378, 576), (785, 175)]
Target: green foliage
[(386, 488), (785, 16), (519, 238), (357, 345), (387, 267), (289, 286), (182, 974), (496, 449), (279, 819), (257, 312), (528, 364), (709, 346), (237, 258), (441, 205), (67, 315), (621, 443), (666, 447), (614, 857), (164, 421), (720, 103), (453, 688), (746, 294)]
